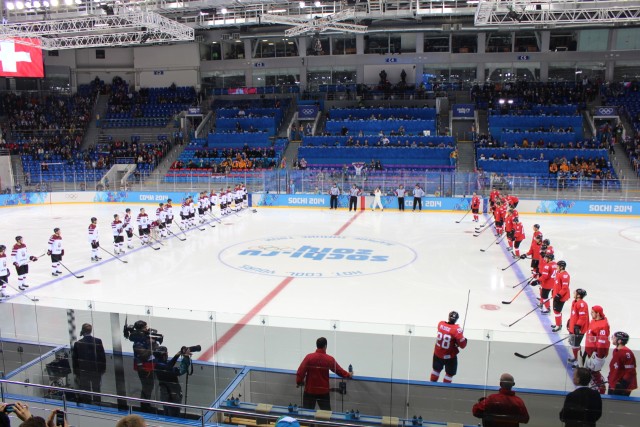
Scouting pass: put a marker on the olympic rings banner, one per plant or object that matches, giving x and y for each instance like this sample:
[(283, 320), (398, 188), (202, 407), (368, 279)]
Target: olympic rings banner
[(606, 111), (307, 112)]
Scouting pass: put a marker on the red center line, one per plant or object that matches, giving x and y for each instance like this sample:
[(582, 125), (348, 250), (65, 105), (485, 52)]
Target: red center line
[(233, 331)]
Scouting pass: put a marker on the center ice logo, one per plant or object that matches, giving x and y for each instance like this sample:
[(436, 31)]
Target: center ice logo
[(317, 256), (317, 253)]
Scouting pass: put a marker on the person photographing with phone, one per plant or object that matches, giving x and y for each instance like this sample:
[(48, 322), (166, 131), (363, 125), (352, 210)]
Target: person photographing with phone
[(56, 418)]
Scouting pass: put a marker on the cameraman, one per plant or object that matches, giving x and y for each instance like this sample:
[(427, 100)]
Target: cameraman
[(144, 344), (167, 374)]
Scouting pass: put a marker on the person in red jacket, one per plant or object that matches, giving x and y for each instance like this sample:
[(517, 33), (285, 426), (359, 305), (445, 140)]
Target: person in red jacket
[(499, 215), (503, 408), (578, 323), (313, 372), (508, 227), (561, 293), (622, 368)]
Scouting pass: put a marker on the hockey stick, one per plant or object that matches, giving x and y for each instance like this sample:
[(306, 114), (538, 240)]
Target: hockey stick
[(519, 292), (542, 349), (485, 223), (525, 280), (151, 246), (80, 276), (23, 293), (497, 241), (482, 231), (458, 222), (466, 310), (514, 262), (121, 260), (175, 235), (537, 307)]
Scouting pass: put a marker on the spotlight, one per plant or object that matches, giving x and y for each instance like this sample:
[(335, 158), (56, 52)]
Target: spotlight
[(224, 10)]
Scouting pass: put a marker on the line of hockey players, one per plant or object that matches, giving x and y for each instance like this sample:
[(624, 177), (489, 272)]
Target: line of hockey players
[(592, 326), (194, 211), (229, 201), (21, 258)]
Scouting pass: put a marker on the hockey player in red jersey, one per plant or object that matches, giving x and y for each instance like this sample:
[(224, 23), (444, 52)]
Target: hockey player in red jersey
[(518, 236), (534, 252), (55, 250), (561, 293), (548, 270), (449, 340), (597, 346), (508, 227), (536, 231), (578, 323), (475, 207), (623, 377), (512, 201), (494, 195), (499, 215)]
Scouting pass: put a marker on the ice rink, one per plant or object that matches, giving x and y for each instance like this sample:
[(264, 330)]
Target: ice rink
[(370, 272)]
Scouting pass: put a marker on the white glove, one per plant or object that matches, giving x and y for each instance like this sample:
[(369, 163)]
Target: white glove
[(595, 363)]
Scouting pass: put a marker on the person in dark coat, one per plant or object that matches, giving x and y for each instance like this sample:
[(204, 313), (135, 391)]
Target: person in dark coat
[(583, 406), (89, 363)]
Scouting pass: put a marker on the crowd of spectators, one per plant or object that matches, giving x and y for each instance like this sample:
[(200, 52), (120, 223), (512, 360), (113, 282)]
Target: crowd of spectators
[(120, 151), (490, 142), (225, 160), (632, 148)]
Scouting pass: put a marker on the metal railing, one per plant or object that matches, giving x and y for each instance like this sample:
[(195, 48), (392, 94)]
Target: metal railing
[(125, 404)]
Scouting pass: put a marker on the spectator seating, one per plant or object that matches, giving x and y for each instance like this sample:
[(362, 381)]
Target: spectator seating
[(332, 141), (384, 113), (266, 90), (403, 157), (236, 139), (548, 153), (148, 107), (373, 127), (201, 171), (513, 138), (497, 124), (538, 110)]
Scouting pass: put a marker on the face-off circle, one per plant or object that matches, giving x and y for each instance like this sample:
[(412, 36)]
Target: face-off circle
[(317, 256)]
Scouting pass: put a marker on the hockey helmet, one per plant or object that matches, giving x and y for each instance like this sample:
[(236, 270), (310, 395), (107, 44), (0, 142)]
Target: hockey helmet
[(516, 219), (580, 292), (536, 226), (623, 337), (546, 242), (55, 230), (562, 264), (453, 317), (18, 238), (549, 255), (2, 248), (94, 219)]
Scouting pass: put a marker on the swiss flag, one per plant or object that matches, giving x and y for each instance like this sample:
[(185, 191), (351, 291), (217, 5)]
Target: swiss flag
[(18, 60)]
